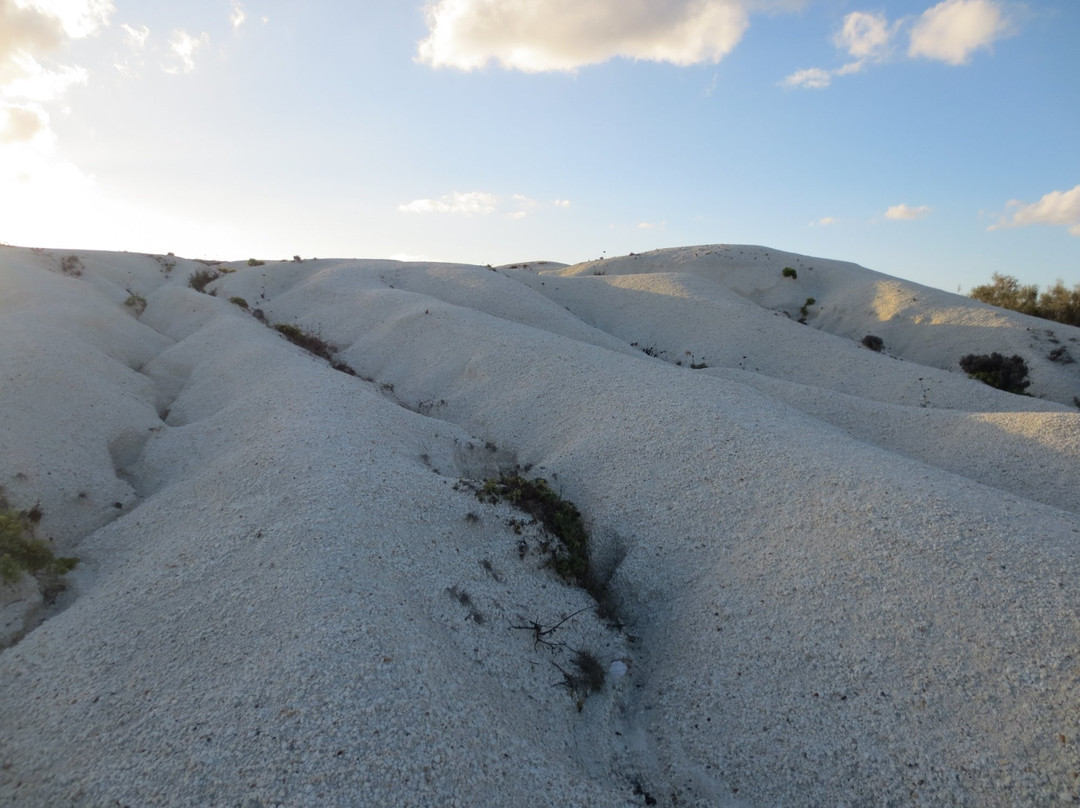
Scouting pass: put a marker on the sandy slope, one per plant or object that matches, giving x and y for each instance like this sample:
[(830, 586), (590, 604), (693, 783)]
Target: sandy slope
[(844, 577)]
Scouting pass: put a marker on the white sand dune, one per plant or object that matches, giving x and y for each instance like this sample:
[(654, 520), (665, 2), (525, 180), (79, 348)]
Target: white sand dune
[(842, 577)]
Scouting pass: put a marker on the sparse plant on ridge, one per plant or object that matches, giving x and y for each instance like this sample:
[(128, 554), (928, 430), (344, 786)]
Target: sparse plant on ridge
[(1061, 355), (239, 301), (255, 262), (21, 551), (72, 265), (199, 279), (313, 344), (137, 303), (873, 343), (586, 676), (789, 272), (570, 559), (1004, 373)]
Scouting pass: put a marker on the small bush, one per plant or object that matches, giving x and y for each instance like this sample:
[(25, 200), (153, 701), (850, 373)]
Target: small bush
[(586, 675), (1004, 373), (72, 265), (199, 279), (21, 551), (560, 518), (255, 262), (136, 303), (311, 343), (1061, 355), (239, 301), (873, 343), (788, 272)]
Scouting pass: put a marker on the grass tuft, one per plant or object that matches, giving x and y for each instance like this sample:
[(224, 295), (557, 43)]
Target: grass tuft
[(21, 551), (570, 557)]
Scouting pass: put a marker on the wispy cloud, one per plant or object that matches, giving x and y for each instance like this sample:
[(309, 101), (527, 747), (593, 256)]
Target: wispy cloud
[(906, 213), (825, 221), (543, 35), (135, 37), (238, 15), (184, 47), (515, 206), (948, 32), (469, 204), (811, 78), (865, 37), (1058, 208), (951, 31)]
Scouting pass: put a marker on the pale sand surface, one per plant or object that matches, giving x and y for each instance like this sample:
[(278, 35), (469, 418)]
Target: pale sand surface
[(844, 577)]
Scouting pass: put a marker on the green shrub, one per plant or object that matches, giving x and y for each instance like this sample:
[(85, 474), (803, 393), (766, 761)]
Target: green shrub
[(199, 279), (21, 551), (312, 343), (136, 303), (255, 262), (570, 559), (1057, 303), (239, 301), (873, 343), (1004, 373), (788, 272)]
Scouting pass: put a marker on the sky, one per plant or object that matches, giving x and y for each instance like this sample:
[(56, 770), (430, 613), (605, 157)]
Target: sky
[(936, 142)]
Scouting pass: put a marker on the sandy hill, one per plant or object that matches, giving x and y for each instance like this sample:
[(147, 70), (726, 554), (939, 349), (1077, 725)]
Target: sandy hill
[(831, 576)]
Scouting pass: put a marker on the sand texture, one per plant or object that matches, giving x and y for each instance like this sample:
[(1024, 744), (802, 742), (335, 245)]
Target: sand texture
[(834, 576)]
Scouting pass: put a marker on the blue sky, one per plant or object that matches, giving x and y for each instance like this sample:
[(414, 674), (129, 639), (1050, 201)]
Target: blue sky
[(932, 141)]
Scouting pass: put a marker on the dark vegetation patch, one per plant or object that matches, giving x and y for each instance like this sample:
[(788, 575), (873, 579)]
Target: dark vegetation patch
[(873, 343), (569, 556), (72, 265), (313, 344), (1005, 373), (199, 279), (21, 551), (1058, 303)]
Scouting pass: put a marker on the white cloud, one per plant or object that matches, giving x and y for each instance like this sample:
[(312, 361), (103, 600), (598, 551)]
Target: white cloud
[(21, 123), (906, 213), (953, 29), (864, 35), (135, 37), (30, 30), (541, 35), (1060, 208), (25, 33), (184, 47), (470, 203), (77, 18), (238, 15), (812, 78), (561, 203), (948, 32), (825, 221)]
